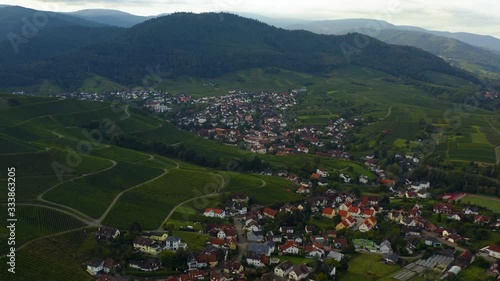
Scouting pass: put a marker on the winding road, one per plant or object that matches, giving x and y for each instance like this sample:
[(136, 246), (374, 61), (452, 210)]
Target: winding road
[(264, 183), (99, 221), (498, 146)]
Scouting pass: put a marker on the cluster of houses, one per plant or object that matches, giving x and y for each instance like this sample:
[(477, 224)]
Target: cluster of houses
[(260, 122), (148, 243), (153, 243), (157, 101), (444, 262), (451, 214)]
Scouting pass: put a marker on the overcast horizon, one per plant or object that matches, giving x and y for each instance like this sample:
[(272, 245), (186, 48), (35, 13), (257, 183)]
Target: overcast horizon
[(478, 17)]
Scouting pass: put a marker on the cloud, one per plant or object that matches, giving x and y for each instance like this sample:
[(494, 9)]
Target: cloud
[(479, 16)]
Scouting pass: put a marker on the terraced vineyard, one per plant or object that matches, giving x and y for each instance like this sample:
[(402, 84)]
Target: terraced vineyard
[(93, 194), (57, 258), (150, 204), (34, 222)]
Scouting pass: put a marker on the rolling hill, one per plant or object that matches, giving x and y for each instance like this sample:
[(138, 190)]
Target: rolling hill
[(452, 50), (360, 25), (202, 45), (13, 19), (466, 51)]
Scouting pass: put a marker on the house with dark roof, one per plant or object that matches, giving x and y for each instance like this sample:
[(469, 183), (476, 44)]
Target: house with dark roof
[(146, 245), (107, 234), (299, 272), (145, 265), (465, 259), (283, 269)]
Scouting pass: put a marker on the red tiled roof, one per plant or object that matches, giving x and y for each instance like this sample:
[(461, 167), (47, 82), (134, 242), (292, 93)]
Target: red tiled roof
[(343, 213), (328, 211), (354, 210), (270, 212), (494, 248)]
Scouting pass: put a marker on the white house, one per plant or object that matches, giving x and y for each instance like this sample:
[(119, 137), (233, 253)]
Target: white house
[(322, 173), (492, 251), (420, 185), (94, 266), (290, 247), (335, 255), (214, 213), (346, 178), (385, 247), (283, 269), (174, 243)]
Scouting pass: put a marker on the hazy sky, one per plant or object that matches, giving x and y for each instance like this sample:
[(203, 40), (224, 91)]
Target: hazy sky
[(479, 16)]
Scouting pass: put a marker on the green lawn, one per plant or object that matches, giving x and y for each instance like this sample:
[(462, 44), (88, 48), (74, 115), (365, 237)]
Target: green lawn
[(492, 204), (473, 273), (368, 267), (195, 241)]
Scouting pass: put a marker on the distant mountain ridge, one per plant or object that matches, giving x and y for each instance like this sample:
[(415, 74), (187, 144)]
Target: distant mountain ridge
[(203, 45), (13, 20), (111, 17), (362, 25)]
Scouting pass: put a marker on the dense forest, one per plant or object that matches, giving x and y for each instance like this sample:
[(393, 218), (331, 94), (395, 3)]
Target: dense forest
[(205, 45)]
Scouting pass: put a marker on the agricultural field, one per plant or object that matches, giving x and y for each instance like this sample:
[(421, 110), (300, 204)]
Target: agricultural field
[(17, 115), (275, 190), (93, 194), (256, 80), (120, 154), (368, 267), (483, 201), (31, 187), (56, 258), (151, 203), (40, 163), (164, 162), (10, 145), (167, 133), (34, 222)]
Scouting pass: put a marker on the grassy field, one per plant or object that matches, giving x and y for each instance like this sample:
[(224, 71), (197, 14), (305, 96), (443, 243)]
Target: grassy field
[(34, 222), (473, 273), (276, 190), (368, 267), (483, 201), (93, 194), (195, 240)]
